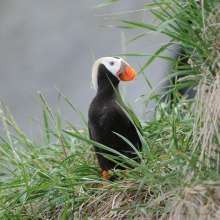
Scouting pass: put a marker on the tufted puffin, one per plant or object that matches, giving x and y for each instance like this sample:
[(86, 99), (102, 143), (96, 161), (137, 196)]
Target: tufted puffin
[(105, 114)]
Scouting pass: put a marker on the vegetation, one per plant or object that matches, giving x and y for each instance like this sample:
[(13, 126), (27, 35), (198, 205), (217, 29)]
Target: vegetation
[(57, 177)]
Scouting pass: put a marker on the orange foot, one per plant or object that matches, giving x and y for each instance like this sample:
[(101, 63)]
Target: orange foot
[(103, 186), (124, 177), (105, 176)]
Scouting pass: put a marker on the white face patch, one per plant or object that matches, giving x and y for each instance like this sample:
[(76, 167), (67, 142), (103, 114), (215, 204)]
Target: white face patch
[(111, 63)]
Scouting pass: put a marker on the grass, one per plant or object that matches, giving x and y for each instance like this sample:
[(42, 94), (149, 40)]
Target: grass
[(57, 177)]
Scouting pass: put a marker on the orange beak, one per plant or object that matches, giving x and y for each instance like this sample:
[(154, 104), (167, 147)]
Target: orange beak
[(126, 73)]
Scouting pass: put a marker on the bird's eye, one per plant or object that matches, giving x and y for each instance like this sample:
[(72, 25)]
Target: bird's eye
[(111, 63)]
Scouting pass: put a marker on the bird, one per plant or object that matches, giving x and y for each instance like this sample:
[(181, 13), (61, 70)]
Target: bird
[(106, 116)]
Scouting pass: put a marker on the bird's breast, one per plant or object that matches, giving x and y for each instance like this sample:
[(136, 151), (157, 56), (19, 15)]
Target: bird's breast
[(107, 116)]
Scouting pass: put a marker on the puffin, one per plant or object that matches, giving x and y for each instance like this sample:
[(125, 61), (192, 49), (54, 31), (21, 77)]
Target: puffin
[(106, 116)]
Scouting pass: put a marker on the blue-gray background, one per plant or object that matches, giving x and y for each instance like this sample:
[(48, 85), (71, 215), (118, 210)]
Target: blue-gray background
[(49, 42)]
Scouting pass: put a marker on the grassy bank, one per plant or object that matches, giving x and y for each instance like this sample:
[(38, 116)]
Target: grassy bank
[(57, 176)]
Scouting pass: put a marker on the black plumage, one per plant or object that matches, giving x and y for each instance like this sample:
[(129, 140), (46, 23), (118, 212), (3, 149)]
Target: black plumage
[(106, 116)]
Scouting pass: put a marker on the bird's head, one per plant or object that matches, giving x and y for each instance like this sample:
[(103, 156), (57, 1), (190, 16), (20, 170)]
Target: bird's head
[(116, 66)]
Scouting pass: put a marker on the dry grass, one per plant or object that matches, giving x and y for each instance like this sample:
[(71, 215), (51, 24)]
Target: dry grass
[(207, 112), (199, 202), (118, 199), (202, 200), (103, 203)]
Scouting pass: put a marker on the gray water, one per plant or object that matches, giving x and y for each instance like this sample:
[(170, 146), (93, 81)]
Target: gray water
[(48, 43)]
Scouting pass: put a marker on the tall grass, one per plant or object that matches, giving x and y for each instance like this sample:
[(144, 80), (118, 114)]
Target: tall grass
[(178, 177)]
